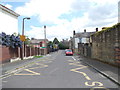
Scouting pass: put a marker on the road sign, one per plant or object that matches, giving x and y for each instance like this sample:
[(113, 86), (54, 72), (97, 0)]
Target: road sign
[(22, 38)]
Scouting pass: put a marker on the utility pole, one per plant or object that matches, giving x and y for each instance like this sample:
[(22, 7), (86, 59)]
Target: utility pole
[(45, 49)]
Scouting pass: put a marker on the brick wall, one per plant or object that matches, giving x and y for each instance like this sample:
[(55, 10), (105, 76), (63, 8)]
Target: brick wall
[(8, 53), (106, 45)]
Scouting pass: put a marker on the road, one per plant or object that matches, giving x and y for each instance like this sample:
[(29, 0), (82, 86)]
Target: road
[(58, 71)]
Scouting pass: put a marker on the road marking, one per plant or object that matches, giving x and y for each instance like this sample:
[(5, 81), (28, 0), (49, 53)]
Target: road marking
[(10, 71), (5, 77), (78, 68), (84, 74), (94, 84), (76, 64), (39, 67), (70, 60), (101, 88), (100, 85), (33, 73), (74, 58)]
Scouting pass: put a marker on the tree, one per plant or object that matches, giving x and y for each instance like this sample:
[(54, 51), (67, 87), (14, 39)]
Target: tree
[(62, 46), (50, 43), (50, 46), (27, 41), (55, 41)]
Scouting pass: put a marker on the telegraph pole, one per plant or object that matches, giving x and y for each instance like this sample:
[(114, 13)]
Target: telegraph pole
[(45, 49)]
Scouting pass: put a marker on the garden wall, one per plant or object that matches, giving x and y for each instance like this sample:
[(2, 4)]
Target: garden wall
[(12, 53)]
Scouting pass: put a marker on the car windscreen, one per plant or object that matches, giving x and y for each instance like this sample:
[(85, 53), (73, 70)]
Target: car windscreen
[(69, 50)]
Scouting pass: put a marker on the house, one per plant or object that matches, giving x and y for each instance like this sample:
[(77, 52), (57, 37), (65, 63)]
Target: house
[(65, 42), (8, 20), (40, 43), (82, 38), (9, 25)]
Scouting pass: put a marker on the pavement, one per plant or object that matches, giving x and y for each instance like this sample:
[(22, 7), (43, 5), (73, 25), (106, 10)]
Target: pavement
[(109, 71)]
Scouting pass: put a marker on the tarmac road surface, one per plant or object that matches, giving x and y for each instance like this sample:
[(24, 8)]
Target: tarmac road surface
[(58, 71)]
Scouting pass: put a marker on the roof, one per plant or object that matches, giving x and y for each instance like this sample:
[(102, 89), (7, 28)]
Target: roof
[(9, 10), (84, 34), (37, 41)]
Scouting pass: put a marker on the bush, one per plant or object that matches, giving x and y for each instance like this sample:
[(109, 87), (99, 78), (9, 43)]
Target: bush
[(10, 40)]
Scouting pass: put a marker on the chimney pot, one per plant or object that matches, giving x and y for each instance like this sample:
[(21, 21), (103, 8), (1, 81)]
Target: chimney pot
[(74, 32), (96, 29), (84, 30)]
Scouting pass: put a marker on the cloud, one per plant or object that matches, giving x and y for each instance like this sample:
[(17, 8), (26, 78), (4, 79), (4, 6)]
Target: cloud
[(60, 31), (47, 10), (14, 0), (8, 6), (95, 13), (81, 5)]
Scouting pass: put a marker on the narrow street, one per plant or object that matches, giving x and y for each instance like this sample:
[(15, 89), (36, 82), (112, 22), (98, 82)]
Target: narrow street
[(58, 71)]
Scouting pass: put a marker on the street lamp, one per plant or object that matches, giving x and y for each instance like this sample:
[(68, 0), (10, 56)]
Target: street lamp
[(23, 35), (23, 24)]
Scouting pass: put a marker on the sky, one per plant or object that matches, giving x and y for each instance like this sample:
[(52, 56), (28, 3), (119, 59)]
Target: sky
[(61, 17)]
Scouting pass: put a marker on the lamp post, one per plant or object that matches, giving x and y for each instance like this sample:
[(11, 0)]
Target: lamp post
[(23, 35), (23, 24)]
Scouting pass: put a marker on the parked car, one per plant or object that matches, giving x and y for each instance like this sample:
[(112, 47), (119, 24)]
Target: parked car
[(65, 50), (68, 52)]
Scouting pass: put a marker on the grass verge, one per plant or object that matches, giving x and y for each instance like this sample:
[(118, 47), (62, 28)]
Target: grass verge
[(38, 56)]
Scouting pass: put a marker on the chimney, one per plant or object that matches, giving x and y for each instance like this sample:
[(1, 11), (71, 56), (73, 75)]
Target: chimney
[(84, 30), (74, 32), (96, 29), (32, 38)]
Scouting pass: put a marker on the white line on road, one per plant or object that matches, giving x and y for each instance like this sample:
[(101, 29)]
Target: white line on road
[(74, 58)]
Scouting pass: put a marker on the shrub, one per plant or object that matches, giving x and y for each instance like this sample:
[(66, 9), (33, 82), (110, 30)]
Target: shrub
[(10, 40)]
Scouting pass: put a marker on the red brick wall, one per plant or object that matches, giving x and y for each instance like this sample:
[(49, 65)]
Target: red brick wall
[(27, 51), (8, 53)]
